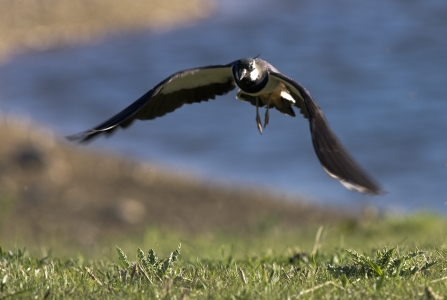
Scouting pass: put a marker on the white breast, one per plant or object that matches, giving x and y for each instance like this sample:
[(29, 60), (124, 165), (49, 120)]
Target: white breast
[(254, 74)]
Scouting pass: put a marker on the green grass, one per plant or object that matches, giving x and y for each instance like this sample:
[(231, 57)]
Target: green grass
[(391, 258)]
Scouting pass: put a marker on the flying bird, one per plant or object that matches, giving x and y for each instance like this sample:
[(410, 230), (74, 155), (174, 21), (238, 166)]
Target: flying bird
[(259, 83)]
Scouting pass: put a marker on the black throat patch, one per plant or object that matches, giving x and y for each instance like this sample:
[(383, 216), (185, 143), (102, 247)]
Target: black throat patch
[(246, 84)]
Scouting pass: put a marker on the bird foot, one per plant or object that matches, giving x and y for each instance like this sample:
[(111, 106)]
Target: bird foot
[(266, 117), (258, 123)]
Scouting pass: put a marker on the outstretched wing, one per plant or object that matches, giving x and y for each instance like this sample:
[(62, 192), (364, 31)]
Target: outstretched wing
[(333, 156), (184, 87)]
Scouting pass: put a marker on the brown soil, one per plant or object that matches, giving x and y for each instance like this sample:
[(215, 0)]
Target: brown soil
[(49, 187)]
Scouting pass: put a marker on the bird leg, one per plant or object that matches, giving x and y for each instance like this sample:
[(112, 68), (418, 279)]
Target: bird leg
[(258, 118), (267, 116)]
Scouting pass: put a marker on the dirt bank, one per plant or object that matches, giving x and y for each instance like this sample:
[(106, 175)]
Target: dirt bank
[(50, 186)]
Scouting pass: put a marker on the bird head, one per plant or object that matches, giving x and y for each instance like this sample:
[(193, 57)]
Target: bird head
[(250, 74), (246, 70)]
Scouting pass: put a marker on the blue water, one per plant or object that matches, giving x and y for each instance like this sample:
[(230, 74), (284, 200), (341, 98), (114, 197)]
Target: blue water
[(378, 70)]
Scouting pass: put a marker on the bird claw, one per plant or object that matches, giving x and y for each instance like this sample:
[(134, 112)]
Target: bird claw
[(258, 123), (266, 118), (258, 118)]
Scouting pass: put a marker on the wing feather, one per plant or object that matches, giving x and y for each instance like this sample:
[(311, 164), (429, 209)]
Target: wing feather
[(334, 158), (184, 87)]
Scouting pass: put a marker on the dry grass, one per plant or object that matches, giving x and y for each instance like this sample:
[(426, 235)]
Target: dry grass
[(44, 24)]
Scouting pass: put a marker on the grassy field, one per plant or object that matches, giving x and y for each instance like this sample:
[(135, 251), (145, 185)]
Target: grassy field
[(389, 258), (71, 208)]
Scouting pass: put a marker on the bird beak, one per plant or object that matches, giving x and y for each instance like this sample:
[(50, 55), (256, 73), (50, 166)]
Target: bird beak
[(242, 73)]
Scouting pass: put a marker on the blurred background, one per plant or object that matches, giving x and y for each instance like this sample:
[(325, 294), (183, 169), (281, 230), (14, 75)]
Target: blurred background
[(377, 69)]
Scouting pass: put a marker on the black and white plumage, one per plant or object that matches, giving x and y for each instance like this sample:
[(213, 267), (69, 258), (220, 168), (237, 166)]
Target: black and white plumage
[(259, 83)]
